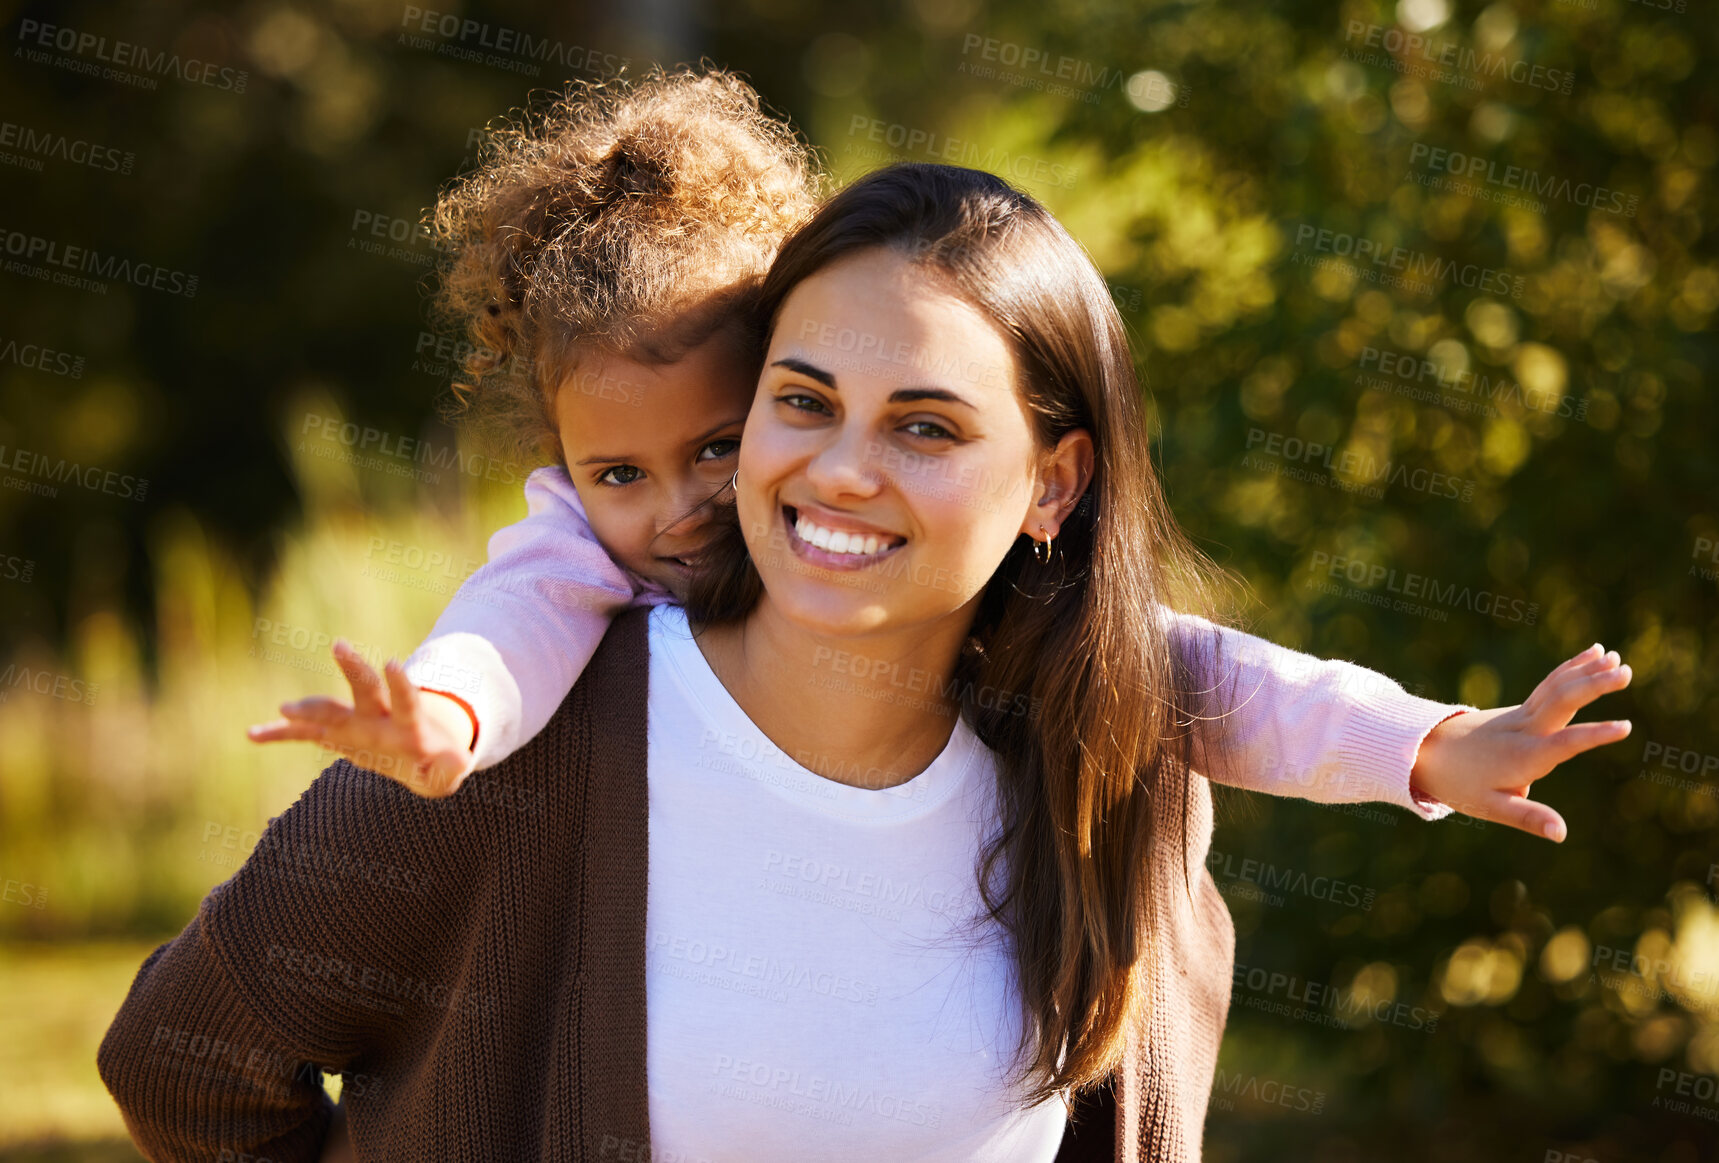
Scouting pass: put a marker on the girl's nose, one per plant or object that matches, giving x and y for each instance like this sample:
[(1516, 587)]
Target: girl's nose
[(691, 508)]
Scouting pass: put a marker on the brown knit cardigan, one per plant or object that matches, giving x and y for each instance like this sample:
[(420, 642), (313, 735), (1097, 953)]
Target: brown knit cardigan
[(475, 968)]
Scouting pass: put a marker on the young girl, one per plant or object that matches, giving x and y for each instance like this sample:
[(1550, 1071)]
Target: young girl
[(601, 263)]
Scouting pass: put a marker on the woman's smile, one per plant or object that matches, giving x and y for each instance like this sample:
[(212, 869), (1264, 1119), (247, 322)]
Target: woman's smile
[(835, 541)]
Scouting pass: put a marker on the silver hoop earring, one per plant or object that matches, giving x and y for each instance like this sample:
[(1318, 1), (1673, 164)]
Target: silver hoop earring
[(734, 484), (1042, 549)]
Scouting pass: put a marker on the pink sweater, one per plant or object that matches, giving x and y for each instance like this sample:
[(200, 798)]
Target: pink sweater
[(529, 620)]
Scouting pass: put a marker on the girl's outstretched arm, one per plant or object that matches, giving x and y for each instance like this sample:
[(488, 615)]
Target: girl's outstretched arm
[(502, 657), (1288, 723)]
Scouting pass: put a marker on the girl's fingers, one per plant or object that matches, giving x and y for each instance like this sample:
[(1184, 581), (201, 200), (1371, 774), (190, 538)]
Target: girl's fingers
[(1587, 656), (1580, 737), (1589, 687), (1556, 702), (1604, 662), (1534, 818), (282, 729), (367, 690), (318, 709), (404, 697), (1586, 662)]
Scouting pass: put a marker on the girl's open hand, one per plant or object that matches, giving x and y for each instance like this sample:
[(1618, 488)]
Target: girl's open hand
[(1483, 763), (390, 727)]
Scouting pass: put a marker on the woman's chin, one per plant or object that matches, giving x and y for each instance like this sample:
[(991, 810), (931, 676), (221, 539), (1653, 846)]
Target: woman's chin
[(824, 611)]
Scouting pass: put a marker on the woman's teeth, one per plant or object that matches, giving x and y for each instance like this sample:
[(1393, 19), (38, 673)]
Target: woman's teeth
[(840, 540)]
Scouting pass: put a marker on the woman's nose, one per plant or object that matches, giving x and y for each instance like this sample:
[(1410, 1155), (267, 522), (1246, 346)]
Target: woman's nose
[(847, 464)]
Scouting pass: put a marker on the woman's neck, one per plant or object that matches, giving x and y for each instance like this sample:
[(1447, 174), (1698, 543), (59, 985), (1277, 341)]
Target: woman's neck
[(845, 708)]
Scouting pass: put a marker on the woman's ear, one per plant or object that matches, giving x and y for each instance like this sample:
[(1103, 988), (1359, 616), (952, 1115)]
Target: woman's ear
[(1066, 474)]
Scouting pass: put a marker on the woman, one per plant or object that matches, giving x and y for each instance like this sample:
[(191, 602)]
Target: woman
[(945, 506)]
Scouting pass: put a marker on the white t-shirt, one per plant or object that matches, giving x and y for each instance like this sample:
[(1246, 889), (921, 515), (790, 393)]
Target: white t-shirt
[(816, 987)]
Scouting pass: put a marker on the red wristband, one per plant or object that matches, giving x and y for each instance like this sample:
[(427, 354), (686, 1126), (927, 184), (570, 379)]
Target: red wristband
[(465, 706)]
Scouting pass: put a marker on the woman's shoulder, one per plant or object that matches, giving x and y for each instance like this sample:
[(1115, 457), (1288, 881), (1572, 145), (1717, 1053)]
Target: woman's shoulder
[(616, 676)]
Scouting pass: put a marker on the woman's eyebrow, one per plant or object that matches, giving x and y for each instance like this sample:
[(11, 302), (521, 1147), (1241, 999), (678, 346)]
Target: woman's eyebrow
[(899, 396), (811, 371), (908, 395)]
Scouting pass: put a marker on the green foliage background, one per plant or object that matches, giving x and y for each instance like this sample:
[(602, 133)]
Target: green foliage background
[(1596, 524)]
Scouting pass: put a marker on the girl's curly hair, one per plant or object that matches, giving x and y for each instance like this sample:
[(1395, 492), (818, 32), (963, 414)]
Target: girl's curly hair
[(635, 218)]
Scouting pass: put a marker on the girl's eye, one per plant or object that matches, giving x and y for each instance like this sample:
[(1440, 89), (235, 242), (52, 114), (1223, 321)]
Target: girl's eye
[(718, 449), (621, 474)]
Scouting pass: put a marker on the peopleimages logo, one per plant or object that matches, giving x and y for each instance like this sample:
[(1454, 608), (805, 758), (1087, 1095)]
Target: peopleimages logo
[(822, 1097), (1257, 987), (60, 261), (1264, 1092), (46, 682), (1408, 367), (1475, 168), (1059, 75), (1414, 266), (116, 56), (1661, 761), (1323, 888), (39, 358), (1447, 62), (916, 143), (1408, 584), (774, 976), (1292, 449), (450, 35), (15, 568), (1685, 1086), (35, 145), (62, 471), (330, 435)]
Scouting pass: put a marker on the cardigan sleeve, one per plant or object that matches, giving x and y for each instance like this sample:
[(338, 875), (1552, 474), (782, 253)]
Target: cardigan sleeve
[(1293, 724), (199, 1076), (518, 633), (342, 934)]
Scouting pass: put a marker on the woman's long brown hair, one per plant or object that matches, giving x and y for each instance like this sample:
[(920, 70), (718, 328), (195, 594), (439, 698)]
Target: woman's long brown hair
[(1097, 773)]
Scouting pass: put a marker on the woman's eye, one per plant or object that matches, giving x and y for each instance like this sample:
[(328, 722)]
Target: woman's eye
[(931, 431), (621, 474), (718, 449), (802, 402)]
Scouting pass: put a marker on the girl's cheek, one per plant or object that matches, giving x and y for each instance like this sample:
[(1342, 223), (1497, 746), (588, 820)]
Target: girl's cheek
[(617, 528), (696, 523)]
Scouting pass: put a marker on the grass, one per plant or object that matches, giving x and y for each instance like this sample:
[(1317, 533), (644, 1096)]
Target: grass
[(119, 812), (59, 1001), (106, 1151)]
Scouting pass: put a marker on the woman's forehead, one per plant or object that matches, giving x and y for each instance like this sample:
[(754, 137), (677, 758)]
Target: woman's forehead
[(878, 316)]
